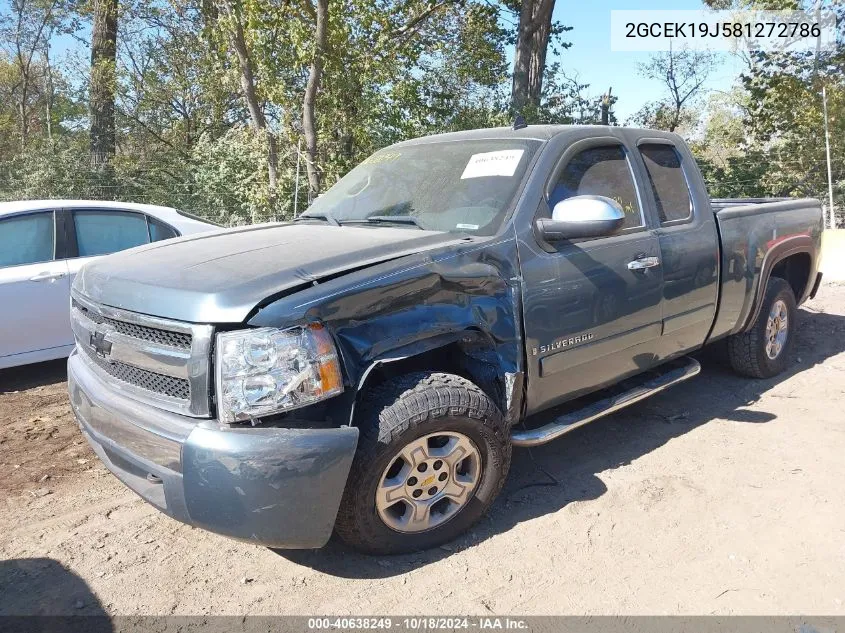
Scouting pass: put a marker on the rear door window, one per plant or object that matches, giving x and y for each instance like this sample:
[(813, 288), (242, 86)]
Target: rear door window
[(27, 239), (668, 182), (104, 232)]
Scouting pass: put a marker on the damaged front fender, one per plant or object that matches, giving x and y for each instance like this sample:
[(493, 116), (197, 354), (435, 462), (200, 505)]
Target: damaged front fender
[(467, 297)]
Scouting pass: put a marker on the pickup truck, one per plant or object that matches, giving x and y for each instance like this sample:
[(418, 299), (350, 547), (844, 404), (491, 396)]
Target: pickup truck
[(367, 368)]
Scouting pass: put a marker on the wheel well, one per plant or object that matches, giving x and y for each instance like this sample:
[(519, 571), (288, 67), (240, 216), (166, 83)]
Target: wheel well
[(470, 360), (795, 270)]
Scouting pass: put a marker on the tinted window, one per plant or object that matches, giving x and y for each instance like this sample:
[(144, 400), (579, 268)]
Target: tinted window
[(667, 182), (26, 239), (600, 171), (103, 232), (160, 231)]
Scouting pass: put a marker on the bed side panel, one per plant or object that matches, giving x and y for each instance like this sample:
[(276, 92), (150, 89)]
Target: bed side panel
[(754, 237)]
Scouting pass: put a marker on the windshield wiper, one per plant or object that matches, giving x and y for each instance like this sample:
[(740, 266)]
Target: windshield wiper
[(394, 219), (318, 216)]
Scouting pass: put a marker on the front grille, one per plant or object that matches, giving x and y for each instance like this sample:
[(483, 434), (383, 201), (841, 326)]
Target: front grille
[(158, 361), (179, 340), (147, 380)]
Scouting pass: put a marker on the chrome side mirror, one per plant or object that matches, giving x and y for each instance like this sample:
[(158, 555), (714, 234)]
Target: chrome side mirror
[(582, 216)]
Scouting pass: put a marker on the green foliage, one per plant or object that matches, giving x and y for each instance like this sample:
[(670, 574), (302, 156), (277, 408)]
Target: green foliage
[(785, 116), (393, 69), (230, 178), (44, 170)]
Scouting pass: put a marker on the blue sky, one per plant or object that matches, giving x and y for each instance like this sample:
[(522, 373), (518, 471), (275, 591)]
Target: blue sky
[(595, 64)]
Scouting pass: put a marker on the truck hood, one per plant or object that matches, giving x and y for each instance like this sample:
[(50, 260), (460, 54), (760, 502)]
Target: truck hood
[(220, 277)]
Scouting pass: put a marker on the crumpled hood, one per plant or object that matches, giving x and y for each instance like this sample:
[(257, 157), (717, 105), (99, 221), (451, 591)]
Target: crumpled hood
[(220, 277)]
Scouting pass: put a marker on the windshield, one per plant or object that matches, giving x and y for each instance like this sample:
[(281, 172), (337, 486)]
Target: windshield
[(464, 187)]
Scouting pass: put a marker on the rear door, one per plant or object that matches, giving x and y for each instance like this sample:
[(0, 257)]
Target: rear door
[(34, 286), (98, 232), (689, 244), (592, 312)]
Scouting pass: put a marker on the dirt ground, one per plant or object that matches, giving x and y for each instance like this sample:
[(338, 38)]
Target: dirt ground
[(722, 495)]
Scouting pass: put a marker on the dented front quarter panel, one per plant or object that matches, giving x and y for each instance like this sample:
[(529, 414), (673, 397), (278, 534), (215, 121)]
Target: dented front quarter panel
[(467, 293)]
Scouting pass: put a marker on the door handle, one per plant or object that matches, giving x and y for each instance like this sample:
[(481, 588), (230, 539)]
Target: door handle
[(642, 263), (47, 276)]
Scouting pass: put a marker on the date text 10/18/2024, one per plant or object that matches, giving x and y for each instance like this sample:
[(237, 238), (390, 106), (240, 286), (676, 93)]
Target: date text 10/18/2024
[(417, 623)]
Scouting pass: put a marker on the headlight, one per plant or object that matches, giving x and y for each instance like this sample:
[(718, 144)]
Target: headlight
[(267, 370)]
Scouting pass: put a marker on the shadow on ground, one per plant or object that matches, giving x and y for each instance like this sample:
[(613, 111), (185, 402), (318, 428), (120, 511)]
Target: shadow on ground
[(545, 479), (44, 587), (35, 375)]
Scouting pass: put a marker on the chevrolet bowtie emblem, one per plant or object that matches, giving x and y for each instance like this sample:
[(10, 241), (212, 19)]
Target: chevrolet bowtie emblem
[(99, 343)]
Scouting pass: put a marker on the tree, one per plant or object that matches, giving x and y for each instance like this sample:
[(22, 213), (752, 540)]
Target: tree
[(315, 76), (532, 41), (785, 116), (232, 9), (683, 74), (102, 85), (25, 33), (732, 164), (565, 100)]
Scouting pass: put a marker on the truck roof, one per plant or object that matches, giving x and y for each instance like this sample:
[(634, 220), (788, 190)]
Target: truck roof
[(531, 132)]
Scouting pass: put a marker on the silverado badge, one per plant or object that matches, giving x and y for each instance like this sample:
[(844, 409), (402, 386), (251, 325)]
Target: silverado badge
[(562, 343)]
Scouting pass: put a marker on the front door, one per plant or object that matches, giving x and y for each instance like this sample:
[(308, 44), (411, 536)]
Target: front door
[(592, 307)]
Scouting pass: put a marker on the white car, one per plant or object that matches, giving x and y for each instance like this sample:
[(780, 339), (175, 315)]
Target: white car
[(44, 243)]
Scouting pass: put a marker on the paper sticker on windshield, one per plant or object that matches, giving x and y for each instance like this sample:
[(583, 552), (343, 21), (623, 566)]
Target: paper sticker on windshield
[(501, 163)]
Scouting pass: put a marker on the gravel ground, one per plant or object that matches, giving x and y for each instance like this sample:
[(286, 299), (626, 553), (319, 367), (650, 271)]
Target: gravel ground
[(722, 495)]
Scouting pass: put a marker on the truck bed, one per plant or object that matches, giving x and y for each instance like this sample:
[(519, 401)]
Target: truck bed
[(753, 232)]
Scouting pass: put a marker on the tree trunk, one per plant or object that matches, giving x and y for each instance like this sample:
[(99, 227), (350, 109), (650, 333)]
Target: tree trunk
[(309, 116), (102, 89), (539, 46), (50, 98), (535, 20), (522, 57), (256, 113)]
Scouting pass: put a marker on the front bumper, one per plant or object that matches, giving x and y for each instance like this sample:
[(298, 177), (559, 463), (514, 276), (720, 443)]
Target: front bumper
[(271, 486)]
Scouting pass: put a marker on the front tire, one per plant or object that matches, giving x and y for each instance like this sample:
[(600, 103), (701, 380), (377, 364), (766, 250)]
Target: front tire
[(433, 454), (764, 350)]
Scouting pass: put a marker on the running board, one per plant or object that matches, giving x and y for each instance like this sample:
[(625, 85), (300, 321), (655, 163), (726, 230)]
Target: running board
[(571, 421)]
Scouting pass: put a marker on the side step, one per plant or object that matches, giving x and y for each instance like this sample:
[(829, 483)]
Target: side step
[(571, 421)]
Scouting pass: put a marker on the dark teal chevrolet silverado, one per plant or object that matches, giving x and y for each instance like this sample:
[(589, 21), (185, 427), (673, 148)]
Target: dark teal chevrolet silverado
[(368, 367)]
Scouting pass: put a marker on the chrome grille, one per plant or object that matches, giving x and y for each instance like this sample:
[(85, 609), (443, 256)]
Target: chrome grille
[(154, 360), (149, 380), (165, 337)]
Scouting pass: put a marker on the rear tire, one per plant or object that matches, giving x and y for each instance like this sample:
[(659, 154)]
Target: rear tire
[(764, 350), (427, 440)]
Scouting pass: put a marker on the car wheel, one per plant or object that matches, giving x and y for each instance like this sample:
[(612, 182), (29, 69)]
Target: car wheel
[(764, 350), (433, 454)]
